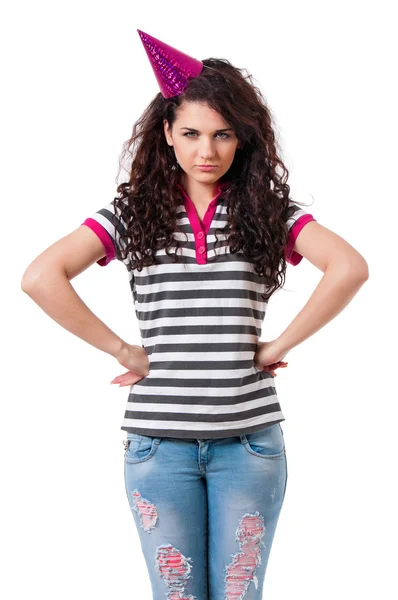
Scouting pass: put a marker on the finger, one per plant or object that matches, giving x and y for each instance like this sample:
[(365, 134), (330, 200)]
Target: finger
[(122, 377), (273, 367), (130, 380), (117, 379)]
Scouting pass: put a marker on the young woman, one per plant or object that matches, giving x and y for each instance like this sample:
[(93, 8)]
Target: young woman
[(205, 227)]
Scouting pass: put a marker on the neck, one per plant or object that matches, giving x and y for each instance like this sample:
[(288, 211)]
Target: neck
[(202, 193)]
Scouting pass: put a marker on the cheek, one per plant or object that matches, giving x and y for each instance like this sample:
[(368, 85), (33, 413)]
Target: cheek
[(230, 154), (185, 151)]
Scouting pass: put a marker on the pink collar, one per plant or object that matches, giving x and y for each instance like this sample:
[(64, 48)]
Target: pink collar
[(213, 202)]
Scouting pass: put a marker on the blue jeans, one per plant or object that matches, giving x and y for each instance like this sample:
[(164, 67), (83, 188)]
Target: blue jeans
[(206, 511)]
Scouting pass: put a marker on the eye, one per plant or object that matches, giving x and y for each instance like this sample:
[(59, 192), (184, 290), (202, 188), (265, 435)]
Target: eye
[(188, 134)]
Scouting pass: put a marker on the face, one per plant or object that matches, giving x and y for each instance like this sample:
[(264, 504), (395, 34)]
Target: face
[(198, 139)]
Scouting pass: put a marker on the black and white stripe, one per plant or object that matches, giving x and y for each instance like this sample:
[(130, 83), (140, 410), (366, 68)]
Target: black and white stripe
[(200, 324)]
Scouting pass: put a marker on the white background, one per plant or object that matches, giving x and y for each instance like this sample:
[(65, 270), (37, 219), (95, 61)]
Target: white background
[(75, 78)]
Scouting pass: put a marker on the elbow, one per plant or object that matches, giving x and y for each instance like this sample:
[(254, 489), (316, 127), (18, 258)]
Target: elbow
[(28, 281), (355, 267), (361, 270), (37, 278), (26, 285), (25, 282), (358, 272)]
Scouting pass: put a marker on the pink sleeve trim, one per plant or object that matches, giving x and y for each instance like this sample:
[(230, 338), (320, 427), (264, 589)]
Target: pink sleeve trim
[(105, 239), (291, 255)]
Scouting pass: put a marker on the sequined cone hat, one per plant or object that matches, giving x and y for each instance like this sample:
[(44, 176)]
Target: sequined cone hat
[(172, 68)]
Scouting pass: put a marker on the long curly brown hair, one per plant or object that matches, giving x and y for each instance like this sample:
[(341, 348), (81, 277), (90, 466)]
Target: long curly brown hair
[(257, 198)]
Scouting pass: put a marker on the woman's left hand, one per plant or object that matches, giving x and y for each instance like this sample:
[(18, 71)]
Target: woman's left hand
[(269, 356), (135, 359)]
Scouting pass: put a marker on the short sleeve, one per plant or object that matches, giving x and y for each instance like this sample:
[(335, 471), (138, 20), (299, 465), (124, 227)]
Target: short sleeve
[(103, 223), (297, 219)]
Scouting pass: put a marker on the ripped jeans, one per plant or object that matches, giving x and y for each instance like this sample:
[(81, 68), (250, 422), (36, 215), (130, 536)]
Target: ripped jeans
[(206, 511)]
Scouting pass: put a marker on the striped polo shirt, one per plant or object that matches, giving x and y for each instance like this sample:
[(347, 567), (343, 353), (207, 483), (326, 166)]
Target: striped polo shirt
[(200, 322)]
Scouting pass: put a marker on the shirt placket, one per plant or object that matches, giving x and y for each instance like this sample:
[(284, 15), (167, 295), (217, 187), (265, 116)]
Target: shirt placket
[(200, 231)]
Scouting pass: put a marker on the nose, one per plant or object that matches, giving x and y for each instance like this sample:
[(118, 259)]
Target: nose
[(206, 150)]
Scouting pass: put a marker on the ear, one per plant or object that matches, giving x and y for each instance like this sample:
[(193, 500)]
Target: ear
[(167, 132)]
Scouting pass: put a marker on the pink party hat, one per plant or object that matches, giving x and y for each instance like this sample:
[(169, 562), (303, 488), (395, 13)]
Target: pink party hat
[(172, 68)]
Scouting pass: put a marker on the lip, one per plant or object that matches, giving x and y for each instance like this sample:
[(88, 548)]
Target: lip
[(206, 167)]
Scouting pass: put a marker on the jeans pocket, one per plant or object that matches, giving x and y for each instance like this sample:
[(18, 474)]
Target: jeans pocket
[(139, 448), (265, 443)]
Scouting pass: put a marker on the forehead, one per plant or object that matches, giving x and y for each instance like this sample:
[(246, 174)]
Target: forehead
[(201, 114)]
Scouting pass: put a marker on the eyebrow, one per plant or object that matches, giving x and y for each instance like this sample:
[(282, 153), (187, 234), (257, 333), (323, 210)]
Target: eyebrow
[(217, 130)]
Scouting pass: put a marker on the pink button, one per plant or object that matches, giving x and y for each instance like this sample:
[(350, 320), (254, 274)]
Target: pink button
[(201, 249), (200, 234)]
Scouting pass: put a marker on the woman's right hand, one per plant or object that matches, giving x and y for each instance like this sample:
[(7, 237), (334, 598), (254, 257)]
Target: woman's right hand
[(135, 359)]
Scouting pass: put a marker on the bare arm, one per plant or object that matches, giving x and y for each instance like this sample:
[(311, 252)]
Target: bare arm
[(47, 282), (345, 271), (335, 290)]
